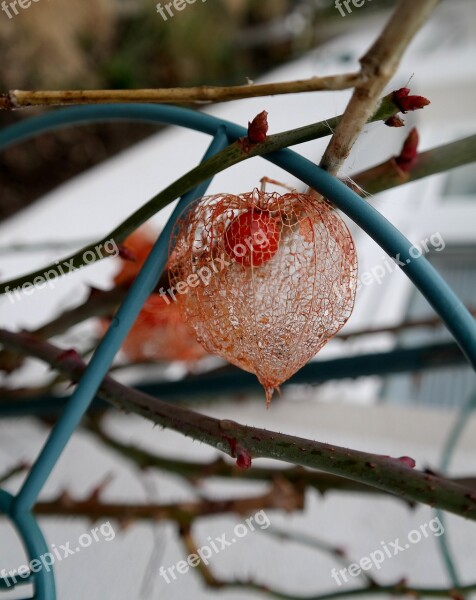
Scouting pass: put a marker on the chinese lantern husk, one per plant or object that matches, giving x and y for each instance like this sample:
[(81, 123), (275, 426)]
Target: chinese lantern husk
[(273, 318)]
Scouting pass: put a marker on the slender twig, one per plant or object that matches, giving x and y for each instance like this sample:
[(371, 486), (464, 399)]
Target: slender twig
[(244, 443), (278, 497), (231, 155), (430, 322), (378, 66), (337, 552), (17, 247), (15, 99), (400, 588), (99, 303), (13, 471)]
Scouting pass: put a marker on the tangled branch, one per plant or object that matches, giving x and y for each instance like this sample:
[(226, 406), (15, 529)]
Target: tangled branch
[(393, 475)]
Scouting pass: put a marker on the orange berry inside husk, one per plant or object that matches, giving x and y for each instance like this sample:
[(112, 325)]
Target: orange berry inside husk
[(252, 238)]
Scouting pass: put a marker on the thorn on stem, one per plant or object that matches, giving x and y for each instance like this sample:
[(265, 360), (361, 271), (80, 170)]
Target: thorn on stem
[(70, 354)]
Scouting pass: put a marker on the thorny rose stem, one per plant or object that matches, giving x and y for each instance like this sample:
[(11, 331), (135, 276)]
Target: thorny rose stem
[(395, 476)]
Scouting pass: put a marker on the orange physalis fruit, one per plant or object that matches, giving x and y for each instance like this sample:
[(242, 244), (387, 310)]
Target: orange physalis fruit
[(271, 308), (252, 238)]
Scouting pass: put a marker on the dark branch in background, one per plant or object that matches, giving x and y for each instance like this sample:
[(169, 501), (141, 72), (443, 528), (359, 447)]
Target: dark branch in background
[(280, 496), (213, 384), (243, 443), (430, 322), (19, 468), (400, 588)]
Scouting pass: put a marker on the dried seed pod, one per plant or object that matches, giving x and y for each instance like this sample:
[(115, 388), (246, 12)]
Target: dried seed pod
[(159, 333), (266, 279)]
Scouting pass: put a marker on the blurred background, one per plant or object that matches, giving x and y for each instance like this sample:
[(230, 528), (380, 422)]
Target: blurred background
[(126, 44)]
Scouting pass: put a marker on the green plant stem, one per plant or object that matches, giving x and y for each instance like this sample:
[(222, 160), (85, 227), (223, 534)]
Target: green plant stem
[(243, 442), (388, 174), (232, 155)]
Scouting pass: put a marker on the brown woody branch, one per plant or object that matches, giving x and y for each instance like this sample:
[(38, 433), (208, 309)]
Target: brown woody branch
[(243, 443), (15, 99)]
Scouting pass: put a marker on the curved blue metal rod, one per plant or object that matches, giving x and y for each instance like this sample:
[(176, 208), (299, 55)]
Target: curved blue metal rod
[(445, 302), (210, 385), (31, 536), (449, 448), (426, 278), (102, 358), (150, 113), (423, 275)]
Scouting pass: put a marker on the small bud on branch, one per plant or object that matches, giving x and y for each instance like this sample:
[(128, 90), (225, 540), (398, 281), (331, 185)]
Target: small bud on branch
[(406, 103), (409, 153), (258, 128)]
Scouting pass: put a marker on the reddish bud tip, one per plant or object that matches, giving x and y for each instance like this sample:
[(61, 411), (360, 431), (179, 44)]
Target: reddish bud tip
[(406, 460), (409, 153), (70, 354), (243, 459), (258, 128), (395, 121), (401, 93), (405, 102), (126, 254)]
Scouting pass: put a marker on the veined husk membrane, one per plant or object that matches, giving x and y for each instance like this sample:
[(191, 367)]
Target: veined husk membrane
[(266, 279)]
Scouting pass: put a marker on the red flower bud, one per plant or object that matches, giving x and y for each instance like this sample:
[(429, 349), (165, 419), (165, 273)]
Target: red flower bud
[(258, 128), (409, 153), (405, 102), (395, 121), (243, 458), (70, 354), (406, 460), (126, 254)]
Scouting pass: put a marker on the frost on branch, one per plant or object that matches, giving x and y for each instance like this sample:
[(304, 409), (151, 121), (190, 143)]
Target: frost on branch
[(269, 279)]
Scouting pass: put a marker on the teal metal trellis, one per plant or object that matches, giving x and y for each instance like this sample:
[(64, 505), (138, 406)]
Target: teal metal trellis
[(457, 319)]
